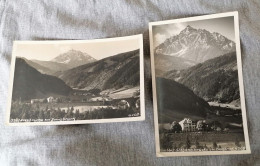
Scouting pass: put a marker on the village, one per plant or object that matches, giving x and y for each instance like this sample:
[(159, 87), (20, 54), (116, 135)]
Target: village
[(93, 95), (123, 99), (201, 135), (80, 105), (187, 125)]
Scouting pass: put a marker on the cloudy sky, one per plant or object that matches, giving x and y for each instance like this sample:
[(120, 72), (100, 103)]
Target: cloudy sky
[(97, 50), (224, 26)]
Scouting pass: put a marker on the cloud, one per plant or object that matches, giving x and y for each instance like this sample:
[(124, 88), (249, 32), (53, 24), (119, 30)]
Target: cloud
[(63, 48), (162, 32), (159, 38), (176, 28)]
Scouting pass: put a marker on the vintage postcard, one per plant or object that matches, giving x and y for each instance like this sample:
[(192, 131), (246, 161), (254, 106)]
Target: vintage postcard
[(198, 93), (77, 81)]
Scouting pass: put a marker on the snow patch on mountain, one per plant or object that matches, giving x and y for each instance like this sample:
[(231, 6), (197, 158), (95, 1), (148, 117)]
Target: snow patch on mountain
[(197, 45), (74, 58)]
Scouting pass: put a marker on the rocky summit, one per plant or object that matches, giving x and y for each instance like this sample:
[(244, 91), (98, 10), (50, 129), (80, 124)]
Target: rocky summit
[(197, 45), (73, 58)]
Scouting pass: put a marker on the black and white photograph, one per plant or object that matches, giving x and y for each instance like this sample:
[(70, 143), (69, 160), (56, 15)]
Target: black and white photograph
[(76, 81), (198, 92)]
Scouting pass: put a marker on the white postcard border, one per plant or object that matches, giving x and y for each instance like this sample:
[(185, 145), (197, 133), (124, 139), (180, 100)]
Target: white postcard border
[(241, 87), (125, 119)]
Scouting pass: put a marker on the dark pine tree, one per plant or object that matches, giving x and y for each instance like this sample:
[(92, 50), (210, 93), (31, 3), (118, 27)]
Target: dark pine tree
[(41, 115), (215, 145), (188, 143)]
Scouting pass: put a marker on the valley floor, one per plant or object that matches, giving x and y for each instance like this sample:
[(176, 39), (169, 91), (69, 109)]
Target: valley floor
[(225, 105)]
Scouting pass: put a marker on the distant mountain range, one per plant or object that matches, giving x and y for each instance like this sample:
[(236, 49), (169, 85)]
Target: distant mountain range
[(62, 62), (112, 72), (202, 61), (166, 63), (47, 67), (214, 80), (44, 69), (30, 83), (196, 45), (175, 101)]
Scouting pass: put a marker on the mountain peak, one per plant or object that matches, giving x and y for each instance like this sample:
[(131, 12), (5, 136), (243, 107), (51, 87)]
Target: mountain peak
[(74, 58), (72, 51), (196, 45), (188, 29)]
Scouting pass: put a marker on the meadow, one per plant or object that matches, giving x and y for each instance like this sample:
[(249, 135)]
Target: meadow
[(202, 140)]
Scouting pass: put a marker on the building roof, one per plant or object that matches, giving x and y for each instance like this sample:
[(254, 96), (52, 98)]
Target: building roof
[(186, 120)]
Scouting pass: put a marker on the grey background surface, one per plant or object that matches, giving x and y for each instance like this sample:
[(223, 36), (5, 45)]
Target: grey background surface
[(129, 143)]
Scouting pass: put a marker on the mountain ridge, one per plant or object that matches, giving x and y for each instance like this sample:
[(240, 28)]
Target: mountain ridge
[(30, 83), (196, 45), (115, 71), (172, 102), (62, 62), (166, 63), (214, 80), (41, 68)]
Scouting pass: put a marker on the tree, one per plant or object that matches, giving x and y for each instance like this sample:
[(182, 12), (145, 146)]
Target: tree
[(35, 114), (205, 146), (237, 143), (76, 114), (175, 127), (25, 115), (45, 101), (41, 115), (165, 141), (69, 113), (86, 115), (174, 146), (47, 114), (197, 144), (63, 113), (215, 145), (188, 143), (204, 126), (53, 114), (59, 114)]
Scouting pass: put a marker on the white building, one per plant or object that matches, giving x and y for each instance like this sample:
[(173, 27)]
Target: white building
[(96, 99), (37, 101), (187, 125), (50, 99)]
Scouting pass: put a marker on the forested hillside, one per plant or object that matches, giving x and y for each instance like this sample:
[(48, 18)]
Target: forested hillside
[(213, 80)]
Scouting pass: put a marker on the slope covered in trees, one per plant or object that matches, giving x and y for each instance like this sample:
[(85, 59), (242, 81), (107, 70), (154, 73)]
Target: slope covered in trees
[(30, 83), (175, 101), (213, 80), (112, 72)]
